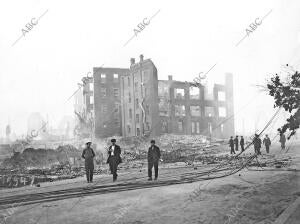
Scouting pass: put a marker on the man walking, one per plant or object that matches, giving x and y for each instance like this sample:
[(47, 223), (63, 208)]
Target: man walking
[(267, 143), (257, 144), (88, 154), (231, 145), (153, 158), (236, 142), (282, 140), (242, 143), (114, 158)]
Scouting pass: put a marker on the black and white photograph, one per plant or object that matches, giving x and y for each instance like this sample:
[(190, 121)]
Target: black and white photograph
[(150, 112)]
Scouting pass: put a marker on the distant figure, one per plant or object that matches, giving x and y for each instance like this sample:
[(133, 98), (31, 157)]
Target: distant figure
[(236, 142), (231, 145), (242, 143), (257, 144), (114, 158), (282, 140), (267, 143), (153, 158), (88, 154)]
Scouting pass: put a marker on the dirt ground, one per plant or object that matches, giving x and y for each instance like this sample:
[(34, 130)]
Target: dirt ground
[(250, 196)]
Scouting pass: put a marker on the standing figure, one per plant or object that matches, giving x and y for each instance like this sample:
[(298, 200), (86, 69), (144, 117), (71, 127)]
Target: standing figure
[(114, 158), (282, 140), (88, 154), (257, 144), (267, 143), (236, 142), (231, 145), (242, 143), (153, 158)]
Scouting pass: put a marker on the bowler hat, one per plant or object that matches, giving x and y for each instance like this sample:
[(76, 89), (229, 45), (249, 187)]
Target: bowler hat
[(113, 140)]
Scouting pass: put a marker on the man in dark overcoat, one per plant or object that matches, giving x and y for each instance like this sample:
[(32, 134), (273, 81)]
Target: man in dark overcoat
[(231, 145), (88, 155), (242, 143), (257, 144), (114, 158), (267, 143), (236, 142), (153, 159)]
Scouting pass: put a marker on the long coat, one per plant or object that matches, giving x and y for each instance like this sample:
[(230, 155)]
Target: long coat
[(153, 154), (242, 142), (236, 141), (231, 143), (117, 153), (257, 143), (88, 154)]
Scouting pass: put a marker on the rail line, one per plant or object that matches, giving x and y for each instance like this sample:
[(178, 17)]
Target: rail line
[(167, 179)]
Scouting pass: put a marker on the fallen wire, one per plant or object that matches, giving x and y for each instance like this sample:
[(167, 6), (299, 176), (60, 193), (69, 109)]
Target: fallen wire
[(197, 177), (255, 156), (236, 156)]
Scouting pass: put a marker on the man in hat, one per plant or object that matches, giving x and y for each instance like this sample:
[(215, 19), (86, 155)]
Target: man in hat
[(153, 158), (88, 154), (267, 143), (114, 158), (236, 142), (242, 143), (257, 144), (231, 145)]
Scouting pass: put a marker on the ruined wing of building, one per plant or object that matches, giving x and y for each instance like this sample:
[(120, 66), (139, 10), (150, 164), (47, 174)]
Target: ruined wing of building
[(133, 102)]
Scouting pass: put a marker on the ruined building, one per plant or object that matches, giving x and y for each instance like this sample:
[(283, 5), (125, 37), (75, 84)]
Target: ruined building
[(133, 102), (107, 101), (84, 108), (139, 99), (186, 109)]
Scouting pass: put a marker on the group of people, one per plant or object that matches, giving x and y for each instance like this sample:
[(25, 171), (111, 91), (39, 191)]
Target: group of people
[(234, 143), (114, 159), (114, 154)]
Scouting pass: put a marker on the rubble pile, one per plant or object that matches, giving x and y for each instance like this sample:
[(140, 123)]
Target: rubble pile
[(171, 139), (41, 157), (38, 165), (171, 142), (271, 162), (187, 148), (174, 148), (26, 176)]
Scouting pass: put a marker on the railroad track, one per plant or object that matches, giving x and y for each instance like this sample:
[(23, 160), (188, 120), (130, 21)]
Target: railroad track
[(133, 183)]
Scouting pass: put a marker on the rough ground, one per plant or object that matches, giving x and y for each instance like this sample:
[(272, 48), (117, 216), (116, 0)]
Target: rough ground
[(247, 197)]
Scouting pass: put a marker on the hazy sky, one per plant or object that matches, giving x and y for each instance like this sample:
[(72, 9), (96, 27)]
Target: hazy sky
[(42, 69)]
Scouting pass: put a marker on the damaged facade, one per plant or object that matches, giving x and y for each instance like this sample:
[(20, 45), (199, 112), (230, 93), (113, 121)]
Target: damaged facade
[(139, 94), (107, 101), (133, 102), (84, 108), (187, 109)]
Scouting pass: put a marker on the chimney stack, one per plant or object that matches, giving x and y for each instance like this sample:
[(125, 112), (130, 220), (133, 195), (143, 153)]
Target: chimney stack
[(132, 61), (141, 58), (170, 78)]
